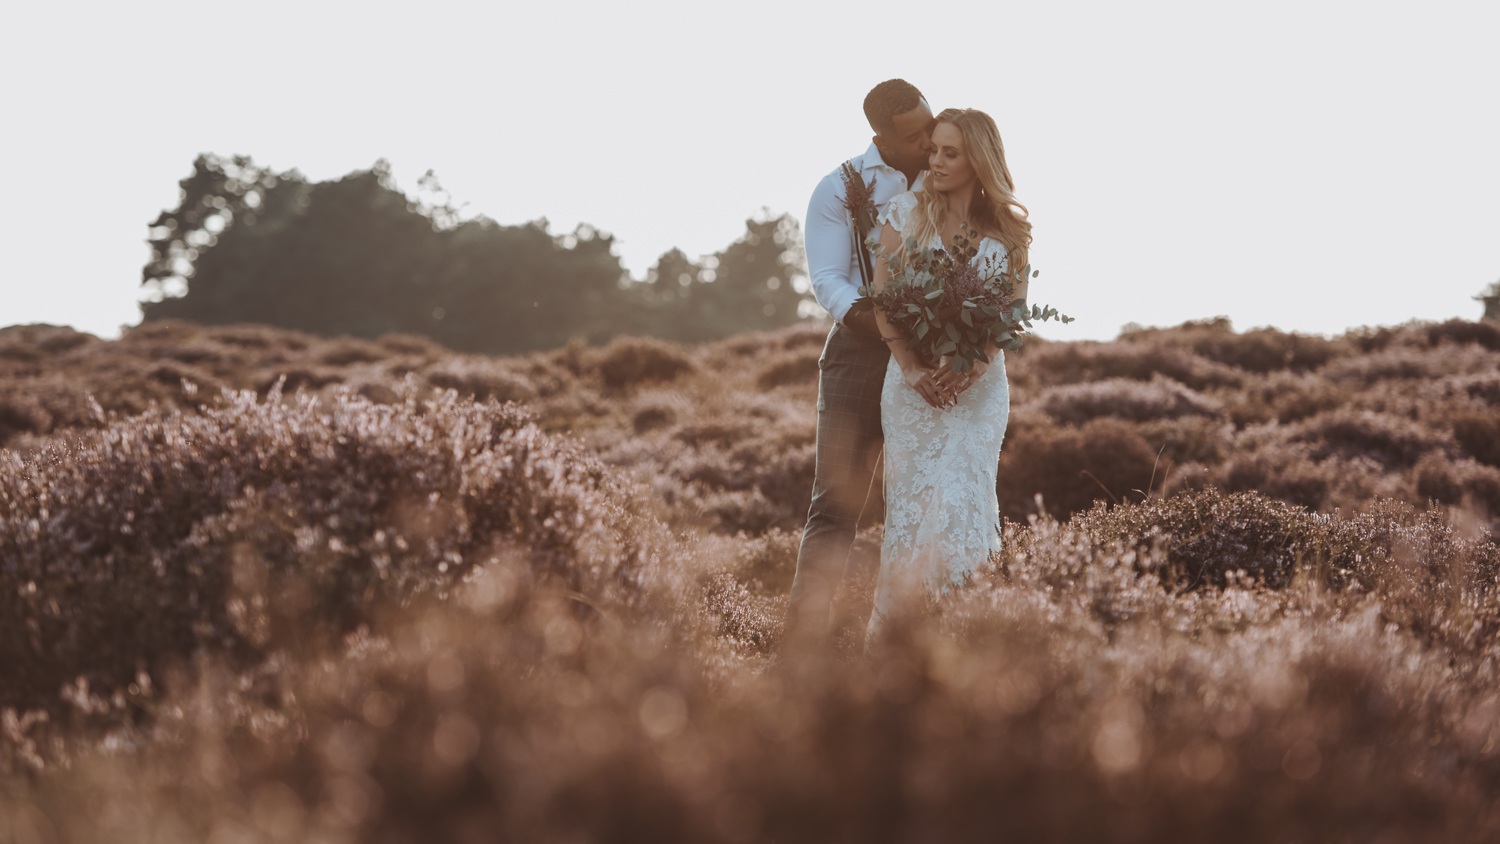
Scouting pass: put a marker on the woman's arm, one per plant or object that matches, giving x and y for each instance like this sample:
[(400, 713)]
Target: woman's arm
[(917, 372)]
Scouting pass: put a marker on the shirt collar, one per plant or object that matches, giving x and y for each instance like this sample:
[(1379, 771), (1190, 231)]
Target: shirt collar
[(873, 158)]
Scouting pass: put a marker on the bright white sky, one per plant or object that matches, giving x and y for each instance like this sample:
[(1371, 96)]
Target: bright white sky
[(1308, 165)]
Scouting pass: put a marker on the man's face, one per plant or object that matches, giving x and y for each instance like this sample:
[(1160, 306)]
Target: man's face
[(908, 143)]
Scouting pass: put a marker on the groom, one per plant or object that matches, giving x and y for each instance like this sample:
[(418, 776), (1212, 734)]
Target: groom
[(852, 368)]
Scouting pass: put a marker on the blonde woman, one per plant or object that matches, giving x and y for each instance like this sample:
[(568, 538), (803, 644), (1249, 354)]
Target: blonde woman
[(943, 429)]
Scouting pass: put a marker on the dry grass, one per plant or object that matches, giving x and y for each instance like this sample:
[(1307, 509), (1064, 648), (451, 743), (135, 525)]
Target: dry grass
[(380, 611)]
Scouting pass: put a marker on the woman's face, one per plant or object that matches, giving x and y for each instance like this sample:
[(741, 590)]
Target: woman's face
[(948, 166)]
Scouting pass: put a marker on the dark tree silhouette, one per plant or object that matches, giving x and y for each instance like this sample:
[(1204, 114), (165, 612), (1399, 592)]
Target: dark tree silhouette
[(757, 283), (357, 256)]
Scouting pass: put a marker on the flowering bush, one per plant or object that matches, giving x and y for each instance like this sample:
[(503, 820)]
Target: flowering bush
[(263, 520), (333, 616)]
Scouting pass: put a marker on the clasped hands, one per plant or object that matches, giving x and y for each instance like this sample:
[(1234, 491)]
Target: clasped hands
[(941, 385)]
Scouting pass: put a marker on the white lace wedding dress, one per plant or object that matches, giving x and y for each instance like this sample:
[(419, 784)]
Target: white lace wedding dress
[(941, 514)]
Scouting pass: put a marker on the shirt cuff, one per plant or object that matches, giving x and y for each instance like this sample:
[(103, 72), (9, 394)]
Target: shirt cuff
[(839, 308)]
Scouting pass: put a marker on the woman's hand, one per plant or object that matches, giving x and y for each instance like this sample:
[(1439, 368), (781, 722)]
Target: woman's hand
[(950, 381), (919, 377)]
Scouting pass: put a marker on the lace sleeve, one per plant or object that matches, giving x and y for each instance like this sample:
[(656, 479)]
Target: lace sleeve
[(898, 211)]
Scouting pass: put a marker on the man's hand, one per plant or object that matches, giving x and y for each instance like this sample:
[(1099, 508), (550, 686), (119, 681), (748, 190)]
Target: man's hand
[(862, 322)]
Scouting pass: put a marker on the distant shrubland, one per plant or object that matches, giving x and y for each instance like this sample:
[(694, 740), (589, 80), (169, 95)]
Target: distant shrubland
[(723, 432), (259, 585)]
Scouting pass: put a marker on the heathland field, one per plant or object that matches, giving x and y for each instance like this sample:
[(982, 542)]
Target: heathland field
[(260, 586)]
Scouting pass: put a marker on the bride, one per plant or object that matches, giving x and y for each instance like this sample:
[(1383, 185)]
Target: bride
[(943, 428)]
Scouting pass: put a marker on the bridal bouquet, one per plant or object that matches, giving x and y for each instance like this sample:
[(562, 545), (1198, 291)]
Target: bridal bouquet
[(952, 305)]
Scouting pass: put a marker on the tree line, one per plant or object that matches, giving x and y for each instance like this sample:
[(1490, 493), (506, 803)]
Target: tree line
[(357, 256)]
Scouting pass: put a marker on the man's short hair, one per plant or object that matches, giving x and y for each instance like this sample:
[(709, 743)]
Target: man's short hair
[(888, 99)]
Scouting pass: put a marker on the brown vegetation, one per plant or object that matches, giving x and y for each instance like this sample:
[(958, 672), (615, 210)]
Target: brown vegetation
[(342, 602)]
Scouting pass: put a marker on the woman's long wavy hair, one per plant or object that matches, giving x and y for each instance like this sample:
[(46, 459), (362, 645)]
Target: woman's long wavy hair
[(995, 211)]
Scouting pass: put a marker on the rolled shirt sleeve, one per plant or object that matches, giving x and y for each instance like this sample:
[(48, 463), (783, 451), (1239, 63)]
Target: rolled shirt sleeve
[(829, 241)]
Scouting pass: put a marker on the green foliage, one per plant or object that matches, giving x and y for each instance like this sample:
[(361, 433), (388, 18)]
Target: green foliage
[(951, 305), (356, 256)]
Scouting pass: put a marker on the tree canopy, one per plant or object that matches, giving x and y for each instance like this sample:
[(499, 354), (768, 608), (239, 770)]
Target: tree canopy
[(357, 256)]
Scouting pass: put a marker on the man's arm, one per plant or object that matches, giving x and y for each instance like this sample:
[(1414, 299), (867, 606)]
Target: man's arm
[(829, 241)]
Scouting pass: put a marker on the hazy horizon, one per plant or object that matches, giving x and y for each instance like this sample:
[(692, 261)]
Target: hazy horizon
[(1308, 166)]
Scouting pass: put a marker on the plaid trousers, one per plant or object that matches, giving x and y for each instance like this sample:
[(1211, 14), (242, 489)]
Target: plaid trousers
[(851, 373)]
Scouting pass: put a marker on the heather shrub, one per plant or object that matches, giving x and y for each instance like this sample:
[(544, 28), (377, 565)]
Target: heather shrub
[(1258, 350), (764, 483), (256, 521), (292, 379), (32, 343), (657, 410), (1160, 398), (244, 336), (22, 414), (481, 379), (1267, 350), (768, 560), (1284, 473), (760, 344), (1389, 440), (1479, 435), (1064, 695), (1391, 364), (1412, 363), (1461, 331), (412, 345), (1072, 363), (1430, 581), (1208, 536), (343, 351), (1071, 467), (1199, 665), (629, 361), (796, 367), (1484, 387), (567, 391), (1450, 481), (1284, 397), (1196, 439)]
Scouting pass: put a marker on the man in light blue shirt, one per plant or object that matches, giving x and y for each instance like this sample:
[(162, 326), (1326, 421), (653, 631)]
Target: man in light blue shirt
[(852, 368)]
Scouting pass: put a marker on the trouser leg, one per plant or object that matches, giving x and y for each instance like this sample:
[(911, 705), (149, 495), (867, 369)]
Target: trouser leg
[(852, 371)]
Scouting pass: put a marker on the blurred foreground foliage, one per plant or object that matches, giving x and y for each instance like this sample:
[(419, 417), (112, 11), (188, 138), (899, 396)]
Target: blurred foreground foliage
[(355, 256), (260, 585)]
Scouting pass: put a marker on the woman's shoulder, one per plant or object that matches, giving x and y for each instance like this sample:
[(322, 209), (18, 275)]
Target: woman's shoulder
[(993, 252), (897, 210)]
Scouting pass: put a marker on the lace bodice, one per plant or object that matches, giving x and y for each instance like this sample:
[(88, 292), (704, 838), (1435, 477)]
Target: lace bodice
[(897, 212)]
